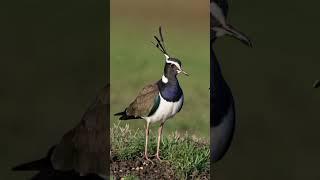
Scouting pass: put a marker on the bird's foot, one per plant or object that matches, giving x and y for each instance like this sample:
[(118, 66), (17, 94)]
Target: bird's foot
[(147, 159), (160, 160)]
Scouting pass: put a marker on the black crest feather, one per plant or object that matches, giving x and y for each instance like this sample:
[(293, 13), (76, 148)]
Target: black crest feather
[(160, 42)]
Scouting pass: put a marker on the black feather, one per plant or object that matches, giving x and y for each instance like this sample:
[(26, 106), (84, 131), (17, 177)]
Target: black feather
[(124, 116), (120, 113), (160, 42), (37, 165)]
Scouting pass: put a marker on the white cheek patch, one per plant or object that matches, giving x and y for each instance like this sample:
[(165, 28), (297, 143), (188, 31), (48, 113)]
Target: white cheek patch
[(164, 79)]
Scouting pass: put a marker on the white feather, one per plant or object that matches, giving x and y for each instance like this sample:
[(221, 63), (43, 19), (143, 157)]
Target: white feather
[(164, 79), (166, 110), (167, 57), (172, 62)]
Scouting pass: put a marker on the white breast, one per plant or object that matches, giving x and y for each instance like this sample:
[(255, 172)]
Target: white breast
[(165, 110)]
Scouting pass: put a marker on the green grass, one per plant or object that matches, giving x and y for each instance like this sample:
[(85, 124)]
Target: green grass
[(187, 154), (135, 62)]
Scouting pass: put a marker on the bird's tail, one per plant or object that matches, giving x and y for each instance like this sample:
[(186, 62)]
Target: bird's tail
[(34, 165), (124, 116), (41, 164), (120, 113), (233, 32)]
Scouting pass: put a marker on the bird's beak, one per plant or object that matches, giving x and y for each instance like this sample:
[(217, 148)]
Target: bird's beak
[(183, 72), (231, 31)]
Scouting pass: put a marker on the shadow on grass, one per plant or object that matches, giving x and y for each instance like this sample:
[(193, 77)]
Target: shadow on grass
[(185, 156)]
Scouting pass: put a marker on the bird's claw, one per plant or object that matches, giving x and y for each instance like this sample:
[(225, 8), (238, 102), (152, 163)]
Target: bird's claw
[(158, 157), (147, 159)]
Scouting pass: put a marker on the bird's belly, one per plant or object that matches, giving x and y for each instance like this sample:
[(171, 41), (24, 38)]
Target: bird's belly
[(165, 110)]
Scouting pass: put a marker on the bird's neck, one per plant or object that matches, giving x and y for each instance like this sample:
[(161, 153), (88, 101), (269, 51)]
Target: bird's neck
[(221, 99), (215, 70), (169, 88), (170, 79)]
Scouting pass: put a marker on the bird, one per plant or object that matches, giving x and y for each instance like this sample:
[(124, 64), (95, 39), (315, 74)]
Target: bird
[(222, 110), (158, 101), (82, 152), (222, 106), (219, 25)]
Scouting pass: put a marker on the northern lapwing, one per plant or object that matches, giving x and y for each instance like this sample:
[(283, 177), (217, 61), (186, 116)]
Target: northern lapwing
[(222, 110), (219, 25), (159, 101), (82, 152), (222, 107)]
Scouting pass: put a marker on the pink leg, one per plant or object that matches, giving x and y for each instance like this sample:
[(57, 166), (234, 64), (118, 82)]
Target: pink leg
[(159, 140), (146, 145)]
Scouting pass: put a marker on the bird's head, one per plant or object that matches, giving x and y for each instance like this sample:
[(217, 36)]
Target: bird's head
[(172, 66), (220, 27)]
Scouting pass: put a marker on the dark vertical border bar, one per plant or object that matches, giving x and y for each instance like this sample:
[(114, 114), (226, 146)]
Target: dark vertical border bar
[(54, 63), (108, 85), (211, 96), (211, 115)]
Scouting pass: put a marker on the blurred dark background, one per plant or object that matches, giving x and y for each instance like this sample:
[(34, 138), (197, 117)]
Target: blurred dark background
[(277, 133), (52, 64)]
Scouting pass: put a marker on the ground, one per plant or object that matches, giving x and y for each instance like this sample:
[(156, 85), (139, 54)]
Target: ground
[(184, 156), (141, 169)]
